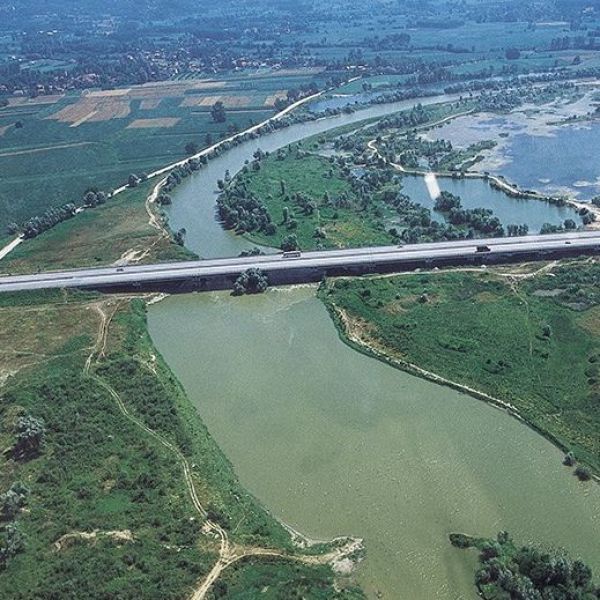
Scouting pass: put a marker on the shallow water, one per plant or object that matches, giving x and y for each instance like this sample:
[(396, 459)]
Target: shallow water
[(477, 193), (534, 155), (334, 442)]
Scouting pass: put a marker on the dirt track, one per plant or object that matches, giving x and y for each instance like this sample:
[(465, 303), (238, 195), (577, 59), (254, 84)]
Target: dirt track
[(229, 553)]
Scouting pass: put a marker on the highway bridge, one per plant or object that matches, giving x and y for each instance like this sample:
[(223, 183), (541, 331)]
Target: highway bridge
[(293, 267)]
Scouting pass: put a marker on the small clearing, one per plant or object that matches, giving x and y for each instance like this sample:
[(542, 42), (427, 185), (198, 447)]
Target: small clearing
[(149, 123), (120, 537)]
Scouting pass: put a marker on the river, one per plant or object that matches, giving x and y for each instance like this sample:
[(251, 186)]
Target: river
[(334, 442), (194, 201)]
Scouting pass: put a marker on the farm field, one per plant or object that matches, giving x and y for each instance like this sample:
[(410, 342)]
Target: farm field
[(103, 136)]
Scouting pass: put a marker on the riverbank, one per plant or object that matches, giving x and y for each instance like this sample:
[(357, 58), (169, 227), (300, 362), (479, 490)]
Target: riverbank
[(128, 471), (516, 368)]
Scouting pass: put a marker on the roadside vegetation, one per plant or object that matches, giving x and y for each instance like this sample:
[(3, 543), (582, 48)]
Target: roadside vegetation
[(122, 229), (507, 571), (531, 342)]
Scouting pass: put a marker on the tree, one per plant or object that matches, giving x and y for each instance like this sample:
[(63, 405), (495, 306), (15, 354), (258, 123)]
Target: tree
[(179, 237), (30, 432), (191, 148), (289, 243), (133, 180), (583, 473), (527, 573), (12, 501), (446, 202), (164, 200), (218, 112), (251, 281), (581, 574), (11, 543), (90, 199), (569, 224)]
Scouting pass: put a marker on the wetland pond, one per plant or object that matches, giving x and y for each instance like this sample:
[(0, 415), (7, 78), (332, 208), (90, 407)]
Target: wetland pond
[(194, 201)]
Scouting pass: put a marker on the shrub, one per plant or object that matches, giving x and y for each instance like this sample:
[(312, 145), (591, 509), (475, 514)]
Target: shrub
[(583, 473)]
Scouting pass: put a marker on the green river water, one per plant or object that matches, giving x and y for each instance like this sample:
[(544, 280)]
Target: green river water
[(334, 442)]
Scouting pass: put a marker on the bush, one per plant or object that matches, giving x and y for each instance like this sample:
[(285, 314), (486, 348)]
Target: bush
[(289, 243), (30, 433), (569, 459), (583, 473)]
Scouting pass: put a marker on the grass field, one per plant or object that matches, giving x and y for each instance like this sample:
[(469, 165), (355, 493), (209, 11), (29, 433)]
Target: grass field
[(310, 175), (69, 143), (534, 343)]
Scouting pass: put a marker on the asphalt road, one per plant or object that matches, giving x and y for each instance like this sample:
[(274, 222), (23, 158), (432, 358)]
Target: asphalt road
[(371, 258)]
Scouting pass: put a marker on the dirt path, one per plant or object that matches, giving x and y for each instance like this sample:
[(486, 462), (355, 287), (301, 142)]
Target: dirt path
[(229, 553), (98, 350), (44, 149), (10, 246), (118, 536), (153, 220)]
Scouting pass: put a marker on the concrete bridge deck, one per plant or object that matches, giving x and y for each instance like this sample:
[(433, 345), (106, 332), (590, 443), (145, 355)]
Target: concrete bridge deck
[(311, 266)]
